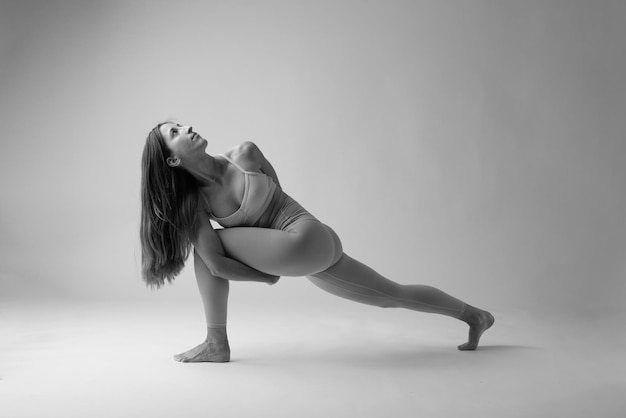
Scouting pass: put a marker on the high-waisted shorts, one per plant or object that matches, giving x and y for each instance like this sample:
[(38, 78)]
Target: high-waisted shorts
[(289, 214)]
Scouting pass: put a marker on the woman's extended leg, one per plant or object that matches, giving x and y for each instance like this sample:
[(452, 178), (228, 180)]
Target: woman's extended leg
[(214, 293), (351, 279)]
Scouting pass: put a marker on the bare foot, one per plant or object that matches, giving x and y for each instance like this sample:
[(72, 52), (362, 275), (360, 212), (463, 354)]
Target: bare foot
[(213, 351), (479, 321)]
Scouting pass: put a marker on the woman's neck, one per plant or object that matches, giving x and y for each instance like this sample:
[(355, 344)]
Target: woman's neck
[(207, 170)]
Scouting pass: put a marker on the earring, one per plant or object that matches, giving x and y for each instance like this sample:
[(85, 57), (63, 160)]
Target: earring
[(173, 161)]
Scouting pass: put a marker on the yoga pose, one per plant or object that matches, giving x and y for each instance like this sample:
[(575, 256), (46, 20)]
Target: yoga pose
[(266, 234)]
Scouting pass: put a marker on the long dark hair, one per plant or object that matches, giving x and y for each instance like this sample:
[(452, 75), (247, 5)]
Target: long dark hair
[(169, 199)]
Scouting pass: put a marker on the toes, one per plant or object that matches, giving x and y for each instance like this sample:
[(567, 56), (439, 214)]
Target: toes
[(467, 347), (180, 357)]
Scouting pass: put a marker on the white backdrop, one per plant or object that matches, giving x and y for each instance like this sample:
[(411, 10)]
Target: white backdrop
[(473, 145)]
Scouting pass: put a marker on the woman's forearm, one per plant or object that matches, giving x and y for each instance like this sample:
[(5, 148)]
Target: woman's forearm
[(231, 269)]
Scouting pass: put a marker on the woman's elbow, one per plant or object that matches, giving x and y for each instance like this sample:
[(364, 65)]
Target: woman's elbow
[(212, 264), (215, 270)]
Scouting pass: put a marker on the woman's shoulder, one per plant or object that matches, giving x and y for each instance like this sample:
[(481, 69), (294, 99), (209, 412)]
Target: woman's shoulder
[(245, 149), (245, 154)]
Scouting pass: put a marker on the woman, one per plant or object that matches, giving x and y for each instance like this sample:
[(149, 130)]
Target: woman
[(266, 235)]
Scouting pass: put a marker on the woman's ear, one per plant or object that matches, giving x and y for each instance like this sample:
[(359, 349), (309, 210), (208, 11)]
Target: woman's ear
[(173, 161)]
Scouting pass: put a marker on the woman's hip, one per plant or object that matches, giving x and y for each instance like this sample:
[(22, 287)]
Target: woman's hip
[(289, 214)]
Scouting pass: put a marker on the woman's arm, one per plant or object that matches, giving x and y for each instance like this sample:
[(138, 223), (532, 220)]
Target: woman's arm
[(209, 247), (258, 156)]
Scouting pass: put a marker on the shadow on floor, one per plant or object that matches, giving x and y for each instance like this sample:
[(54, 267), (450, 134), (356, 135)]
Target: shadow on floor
[(506, 347), (386, 357)]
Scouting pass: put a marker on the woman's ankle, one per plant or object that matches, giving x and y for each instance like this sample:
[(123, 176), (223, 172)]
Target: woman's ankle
[(217, 334)]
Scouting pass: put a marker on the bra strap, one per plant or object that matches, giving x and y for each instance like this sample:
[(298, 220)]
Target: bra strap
[(235, 164)]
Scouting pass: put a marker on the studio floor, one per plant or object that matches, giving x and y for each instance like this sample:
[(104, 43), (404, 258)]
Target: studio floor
[(104, 359)]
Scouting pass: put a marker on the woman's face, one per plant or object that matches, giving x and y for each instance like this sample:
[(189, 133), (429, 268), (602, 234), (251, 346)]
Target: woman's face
[(182, 141)]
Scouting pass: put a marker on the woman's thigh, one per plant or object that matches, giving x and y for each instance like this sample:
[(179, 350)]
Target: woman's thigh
[(308, 247)]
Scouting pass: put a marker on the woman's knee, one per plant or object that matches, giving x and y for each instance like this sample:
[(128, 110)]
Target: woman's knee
[(317, 245), (337, 246)]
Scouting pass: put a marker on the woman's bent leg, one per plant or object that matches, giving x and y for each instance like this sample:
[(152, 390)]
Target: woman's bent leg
[(307, 247), (214, 294), (350, 279)]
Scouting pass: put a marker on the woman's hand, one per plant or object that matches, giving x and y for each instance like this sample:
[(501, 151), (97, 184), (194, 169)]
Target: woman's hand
[(272, 280)]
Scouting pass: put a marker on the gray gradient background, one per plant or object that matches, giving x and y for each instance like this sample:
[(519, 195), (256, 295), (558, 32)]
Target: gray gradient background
[(477, 146)]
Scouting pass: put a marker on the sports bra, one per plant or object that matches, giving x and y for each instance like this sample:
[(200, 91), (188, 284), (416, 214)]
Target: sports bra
[(257, 195)]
